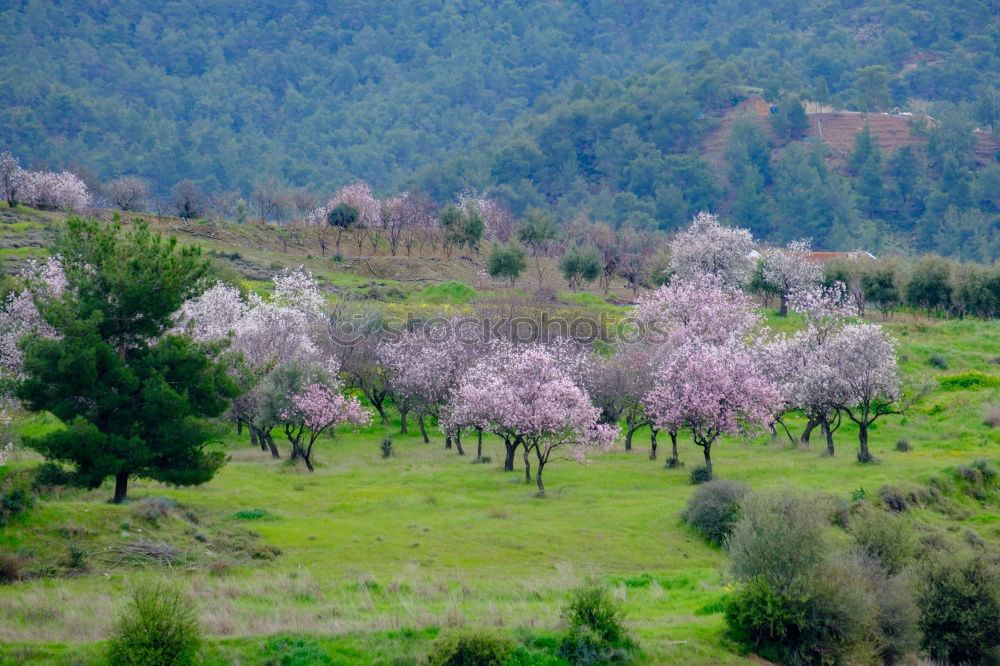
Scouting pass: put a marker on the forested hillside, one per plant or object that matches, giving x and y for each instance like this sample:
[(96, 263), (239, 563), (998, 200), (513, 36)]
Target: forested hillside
[(601, 107)]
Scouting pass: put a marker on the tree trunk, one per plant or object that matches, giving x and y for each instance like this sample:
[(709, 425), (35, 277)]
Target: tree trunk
[(864, 455), (381, 411), (271, 445), (675, 457), (828, 433), (479, 446), (458, 443), (707, 448), (538, 478), (402, 421), (447, 441), (652, 443), (804, 440), (508, 462), (255, 441), (527, 464), (121, 487), (423, 430), (783, 308)]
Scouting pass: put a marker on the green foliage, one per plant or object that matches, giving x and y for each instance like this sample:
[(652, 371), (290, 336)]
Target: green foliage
[(714, 508), (294, 651), (968, 380), (883, 537), (580, 266), (959, 600), (938, 361), (158, 628), (462, 228), (16, 496), (506, 261), (471, 647), (699, 475), (597, 634), (134, 401), (385, 446), (449, 292), (343, 216)]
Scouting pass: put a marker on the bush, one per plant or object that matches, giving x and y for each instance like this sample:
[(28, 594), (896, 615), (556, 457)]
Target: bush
[(152, 509), (597, 633), (700, 475), (779, 537), (10, 567), (15, 496), (959, 602), (938, 361), (51, 475), (882, 537), (897, 616), (386, 447), (991, 416), (158, 627), (903, 445), (969, 380), (825, 618), (714, 508), (471, 647), (893, 498)]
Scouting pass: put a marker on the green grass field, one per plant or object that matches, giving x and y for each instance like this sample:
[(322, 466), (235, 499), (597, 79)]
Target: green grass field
[(368, 559), (378, 554)]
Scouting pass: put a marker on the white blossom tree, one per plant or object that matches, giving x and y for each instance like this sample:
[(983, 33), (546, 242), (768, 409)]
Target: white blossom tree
[(708, 247)]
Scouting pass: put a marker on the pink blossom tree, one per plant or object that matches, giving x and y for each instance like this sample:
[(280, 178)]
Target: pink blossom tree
[(712, 390), (696, 307), (790, 270), (54, 191), (707, 247), (618, 383), (11, 178), (527, 394), (19, 314), (316, 409), (864, 381)]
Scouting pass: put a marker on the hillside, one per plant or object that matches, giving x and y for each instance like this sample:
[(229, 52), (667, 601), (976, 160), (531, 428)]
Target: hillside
[(373, 557), (319, 94)]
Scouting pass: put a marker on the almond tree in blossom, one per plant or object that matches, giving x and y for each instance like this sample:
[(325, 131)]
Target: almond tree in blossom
[(20, 317), (865, 383), (11, 178), (425, 364), (319, 408), (709, 248), (498, 222), (264, 333), (618, 383), (528, 394), (790, 270), (697, 307), (712, 390), (55, 191)]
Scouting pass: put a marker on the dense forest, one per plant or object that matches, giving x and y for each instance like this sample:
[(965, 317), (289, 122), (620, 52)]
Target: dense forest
[(599, 108)]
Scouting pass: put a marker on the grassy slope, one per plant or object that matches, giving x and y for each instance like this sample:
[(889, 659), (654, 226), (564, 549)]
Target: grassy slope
[(378, 553)]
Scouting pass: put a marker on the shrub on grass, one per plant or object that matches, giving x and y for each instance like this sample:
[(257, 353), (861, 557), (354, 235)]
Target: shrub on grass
[(158, 628), (151, 509), (11, 567), (796, 604), (959, 602), (471, 647), (15, 496), (992, 415), (903, 445), (51, 475), (714, 508), (597, 633), (293, 651), (893, 498), (883, 537), (700, 475), (386, 447), (938, 361)]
